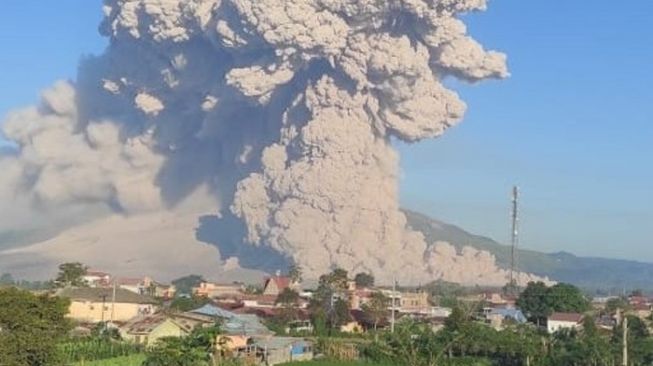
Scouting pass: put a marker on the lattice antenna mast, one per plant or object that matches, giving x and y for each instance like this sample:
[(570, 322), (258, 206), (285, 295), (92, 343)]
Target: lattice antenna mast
[(514, 239)]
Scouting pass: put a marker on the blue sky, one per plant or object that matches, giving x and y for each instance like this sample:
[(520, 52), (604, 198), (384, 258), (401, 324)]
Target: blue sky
[(573, 126)]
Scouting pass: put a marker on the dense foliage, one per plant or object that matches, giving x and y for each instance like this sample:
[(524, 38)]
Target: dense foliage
[(364, 279), (376, 309), (184, 285), (93, 349), (31, 327), (188, 303), (538, 301), (329, 305), (71, 274), (197, 349)]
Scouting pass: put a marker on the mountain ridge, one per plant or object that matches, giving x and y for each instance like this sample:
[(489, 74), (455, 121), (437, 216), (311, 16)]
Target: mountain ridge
[(587, 272)]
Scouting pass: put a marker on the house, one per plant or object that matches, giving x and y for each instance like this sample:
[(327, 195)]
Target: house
[(360, 322), (277, 350), (558, 321), (135, 285), (275, 285), (192, 321), (500, 317), (95, 305), (259, 301), (642, 310), (233, 323), (300, 326), (215, 290), (359, 297), (149, 329), (96, 278), (156, 289), (414, 302), (439, 312)]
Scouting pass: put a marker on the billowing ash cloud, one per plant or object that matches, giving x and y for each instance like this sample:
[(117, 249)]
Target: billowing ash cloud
[(285, 109)]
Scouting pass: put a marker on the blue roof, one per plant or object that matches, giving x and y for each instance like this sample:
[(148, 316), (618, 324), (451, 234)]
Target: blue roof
[(235, 324), (282, 342), (212, 310), (512, 313)]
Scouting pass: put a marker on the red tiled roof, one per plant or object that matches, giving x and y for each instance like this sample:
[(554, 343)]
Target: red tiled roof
[(129, 281), (566, 317), (260, 298), (96, 273), (640, 306), (282, 282)]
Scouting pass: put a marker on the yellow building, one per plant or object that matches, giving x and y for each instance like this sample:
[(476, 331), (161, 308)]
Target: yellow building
[(93, 305), (414, 302), (148, 330)]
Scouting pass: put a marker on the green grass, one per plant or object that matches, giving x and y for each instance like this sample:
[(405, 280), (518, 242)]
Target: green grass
[(133, 360), (331, 363)]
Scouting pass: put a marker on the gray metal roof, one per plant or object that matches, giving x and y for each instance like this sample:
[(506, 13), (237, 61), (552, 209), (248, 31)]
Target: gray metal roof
[(98, 294), (235, 324)]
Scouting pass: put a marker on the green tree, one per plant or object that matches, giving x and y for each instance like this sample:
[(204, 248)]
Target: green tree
[(188, 303), (288, 297), (613, 304), (377, 308), (330, 299), (538, 301), (184, 285), (457, 319), (533, 302), (640, 344), (7, 280), (289, 301), (564, 297), (71, 275), (198, 349), (364, 280), (31, 327)]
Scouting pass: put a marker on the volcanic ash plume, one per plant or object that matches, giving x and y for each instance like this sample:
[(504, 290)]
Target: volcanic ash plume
[(285, 109), (327, 192)]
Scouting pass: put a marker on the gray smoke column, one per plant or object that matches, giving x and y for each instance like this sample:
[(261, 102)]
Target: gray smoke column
[(286, 109), (327, 192)]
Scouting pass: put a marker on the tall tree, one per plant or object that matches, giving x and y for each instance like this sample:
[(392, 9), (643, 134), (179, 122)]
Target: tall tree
[(377, 308), (288, 299), (7, 280), (538, 301), (567, 298), (184, 285), (533, 302), (71, 275), (364, 279), (613, 304), (330, 299), (31, 327)]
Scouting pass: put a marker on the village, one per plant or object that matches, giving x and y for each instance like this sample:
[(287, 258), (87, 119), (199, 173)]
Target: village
[(285, 319)]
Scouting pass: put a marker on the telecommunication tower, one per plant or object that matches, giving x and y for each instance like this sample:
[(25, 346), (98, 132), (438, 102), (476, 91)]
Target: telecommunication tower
[(514, 239)]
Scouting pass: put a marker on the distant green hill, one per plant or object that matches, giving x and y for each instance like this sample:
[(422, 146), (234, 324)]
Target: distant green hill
[(589, 273)]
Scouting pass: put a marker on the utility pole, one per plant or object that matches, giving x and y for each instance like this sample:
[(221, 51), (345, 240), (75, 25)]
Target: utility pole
[(104, 300), (514, 238), (625, 341), (113, 301), (392, 299)]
